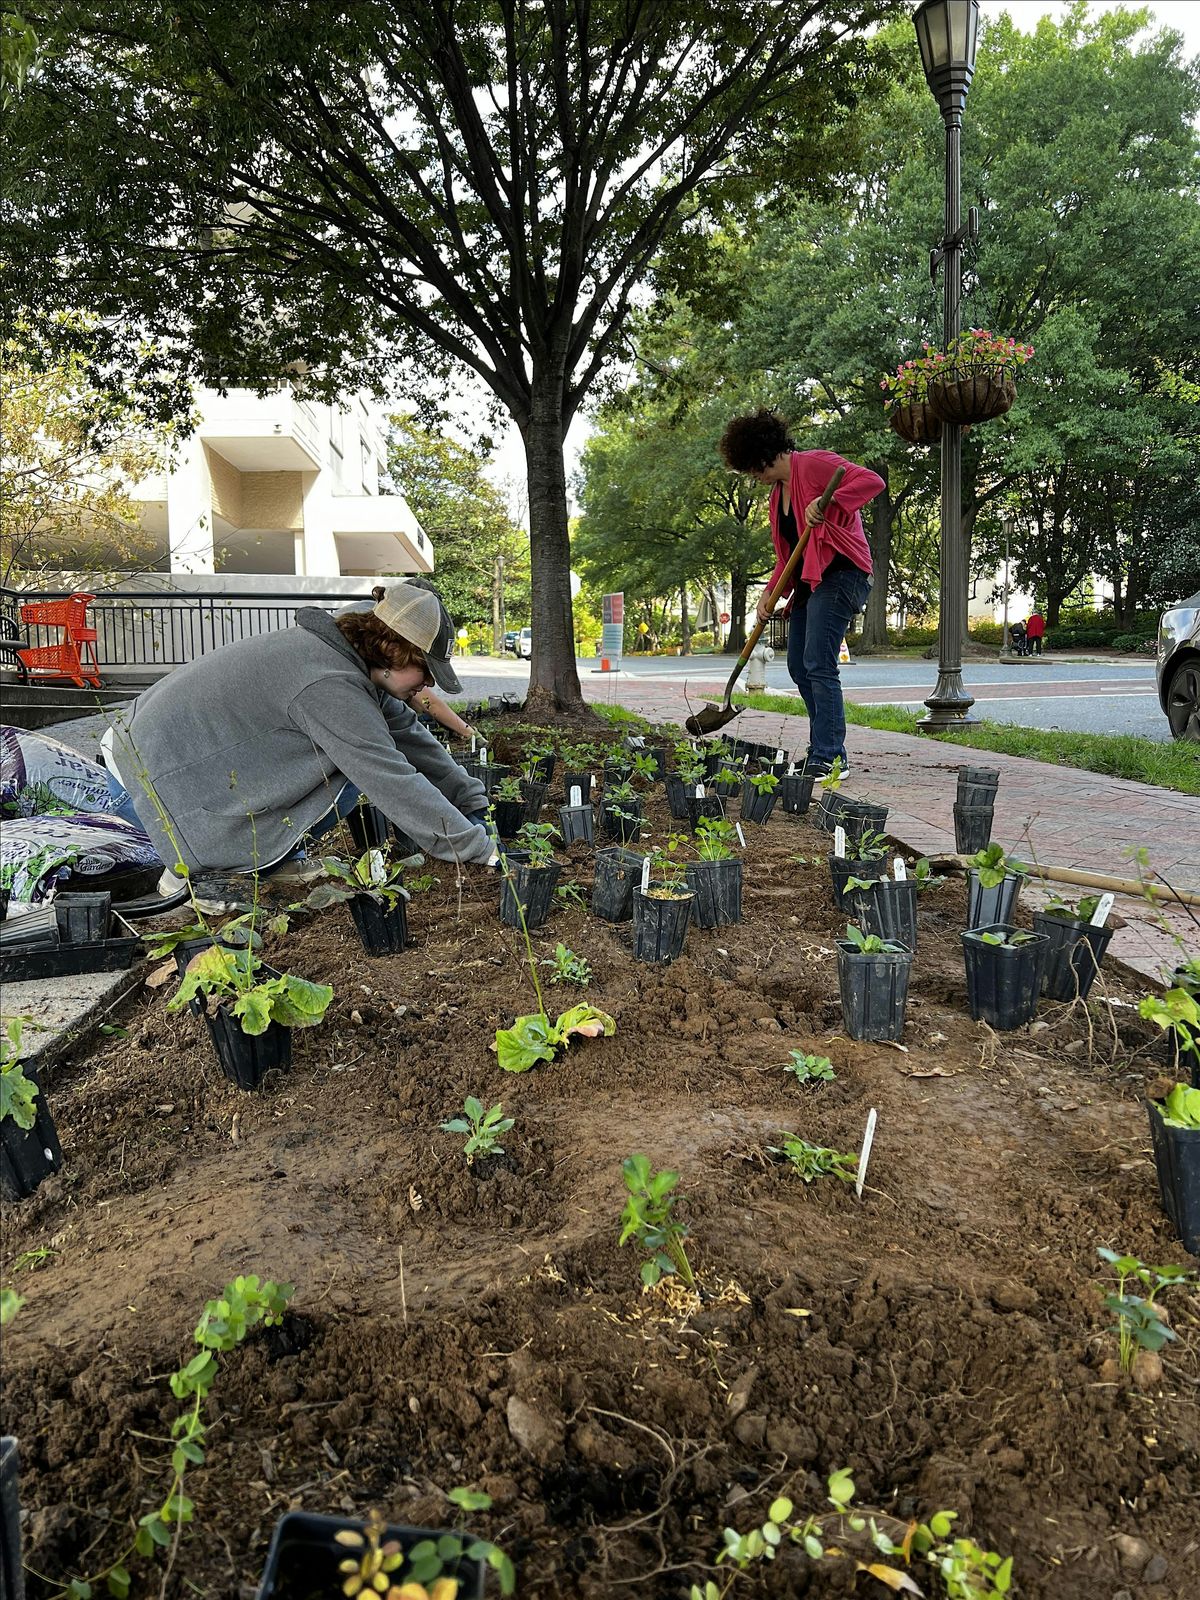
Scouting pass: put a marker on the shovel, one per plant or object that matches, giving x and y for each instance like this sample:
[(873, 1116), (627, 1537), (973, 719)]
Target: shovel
[(714, 717)]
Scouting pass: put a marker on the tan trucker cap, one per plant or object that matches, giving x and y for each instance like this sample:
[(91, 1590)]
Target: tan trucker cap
[(418, 615)]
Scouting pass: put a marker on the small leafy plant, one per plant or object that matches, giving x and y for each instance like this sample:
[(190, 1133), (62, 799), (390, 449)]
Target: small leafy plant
[(1011, 940), (814, 1161), (809, 1069), (649, 1218), (668, 877), (619, 794), (570, 894), (870, 846), (569, 968), (18, 1093), (372, 874), (535, 1038), (508, 789), (1139, 1325), (714, 839), (1181, 1108), (870, 944), (369, 1571), (1177, 1012), (233, 975), (645, 767), (483, 1129), (538, 839), (1082, 910), (763, 782), (236, 932), (991, 865), (925, 877)]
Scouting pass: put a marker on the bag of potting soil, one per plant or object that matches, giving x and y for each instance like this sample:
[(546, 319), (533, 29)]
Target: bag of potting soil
[(41, 777), (90, 849)]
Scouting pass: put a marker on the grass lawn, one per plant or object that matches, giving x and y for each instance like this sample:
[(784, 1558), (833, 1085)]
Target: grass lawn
[(1169, 765)]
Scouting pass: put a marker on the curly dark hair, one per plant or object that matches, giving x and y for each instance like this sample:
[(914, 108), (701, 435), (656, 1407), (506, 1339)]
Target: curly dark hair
[(376, 643), (752, 442)]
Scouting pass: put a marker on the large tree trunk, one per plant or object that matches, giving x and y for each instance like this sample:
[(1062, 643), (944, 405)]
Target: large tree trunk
[(553, 676), (685, 623), (738, 585), (879, 537)]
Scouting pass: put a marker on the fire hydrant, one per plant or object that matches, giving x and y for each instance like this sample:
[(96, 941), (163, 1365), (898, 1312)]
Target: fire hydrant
[(756, 670)]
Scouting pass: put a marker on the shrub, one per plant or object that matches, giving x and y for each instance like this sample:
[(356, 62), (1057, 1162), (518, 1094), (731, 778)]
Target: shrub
[(702, 641), (913, 636), (989, 632), (1140, 642)]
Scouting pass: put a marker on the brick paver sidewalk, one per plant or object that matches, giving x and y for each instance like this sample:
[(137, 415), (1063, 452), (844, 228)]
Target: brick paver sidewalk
[(1058, 816)]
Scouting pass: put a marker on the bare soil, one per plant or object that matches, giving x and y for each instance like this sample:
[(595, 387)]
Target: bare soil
[(944, 1338)]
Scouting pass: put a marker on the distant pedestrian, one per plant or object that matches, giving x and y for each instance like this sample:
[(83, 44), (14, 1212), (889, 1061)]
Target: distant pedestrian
[(1035, 629), (835, 570)]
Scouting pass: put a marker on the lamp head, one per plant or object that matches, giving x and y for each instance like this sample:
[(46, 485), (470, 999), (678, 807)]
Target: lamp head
[(948, 32)]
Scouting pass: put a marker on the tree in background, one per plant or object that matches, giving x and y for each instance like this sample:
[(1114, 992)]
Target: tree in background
[(72, 453), (461, 187), (482, 558)]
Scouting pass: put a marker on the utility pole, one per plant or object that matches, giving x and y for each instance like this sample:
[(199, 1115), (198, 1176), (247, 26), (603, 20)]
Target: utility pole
[(498, 623)]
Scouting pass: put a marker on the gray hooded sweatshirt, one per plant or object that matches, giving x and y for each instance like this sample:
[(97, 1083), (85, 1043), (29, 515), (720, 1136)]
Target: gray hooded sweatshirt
[(248, 747)]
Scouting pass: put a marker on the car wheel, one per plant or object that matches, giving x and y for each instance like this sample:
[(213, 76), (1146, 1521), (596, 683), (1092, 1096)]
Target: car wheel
[(1183, 701)]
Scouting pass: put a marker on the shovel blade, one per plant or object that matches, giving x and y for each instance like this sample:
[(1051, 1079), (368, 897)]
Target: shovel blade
[(711, 719)]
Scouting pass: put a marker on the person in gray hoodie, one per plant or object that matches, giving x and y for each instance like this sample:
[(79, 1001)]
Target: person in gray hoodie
[(235, 760)]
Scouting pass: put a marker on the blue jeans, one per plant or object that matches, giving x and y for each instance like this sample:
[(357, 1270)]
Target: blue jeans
[(815, 635)]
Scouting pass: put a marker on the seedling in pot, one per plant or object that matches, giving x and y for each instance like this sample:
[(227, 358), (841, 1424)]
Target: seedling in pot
[(1012, 940), (814, 1161), (870, 944), (508, 790), (645, 768), (1139, 1324), (925, 877), (1082, 910), (991, 865), (537, 838), (1179, 1109), (714, 839), (18, 1094), (483, 1129), (372, 874), (236, 932), (255, 1002), (569, 968), (763, 782), (809, 1069), (1176, 1012), (870, 846), (649, 1218)]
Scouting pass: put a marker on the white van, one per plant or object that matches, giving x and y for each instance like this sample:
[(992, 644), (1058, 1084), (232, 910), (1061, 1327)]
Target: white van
[(525, 643)]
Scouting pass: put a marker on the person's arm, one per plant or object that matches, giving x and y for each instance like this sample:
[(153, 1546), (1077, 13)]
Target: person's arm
[(859, 486), (434, 706), (401, 768)]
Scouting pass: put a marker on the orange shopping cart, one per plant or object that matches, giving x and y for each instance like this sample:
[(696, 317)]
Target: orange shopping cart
[(62, 659)]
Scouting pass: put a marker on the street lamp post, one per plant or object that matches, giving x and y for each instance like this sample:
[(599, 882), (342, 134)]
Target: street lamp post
[(1009, 520), (947, 31)]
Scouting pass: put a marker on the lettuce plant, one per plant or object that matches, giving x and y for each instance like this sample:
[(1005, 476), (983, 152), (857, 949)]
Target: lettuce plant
[(256, 1002)]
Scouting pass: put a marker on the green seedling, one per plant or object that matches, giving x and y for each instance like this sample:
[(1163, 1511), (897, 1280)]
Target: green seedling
[(924, 876), (764, 782), (727, 777), (809, 1069), (422, 883), (814, 1161), (619, 794), (870, 846), (1079, 911), (860, 1536), (569, 968), (1139, 1325), (645, 768), (1010, 941), (714, 839), (256, 1002), (991, 865), (508, 789), (1177, 1012), (372, 874), (30, 1260), (237, 933), (668, 878), (430, 1559), (649, 1218), (571, 894), (1180, 1109), (833, 778), (538, 839), (870, 944), (18, 1093), (10, 1303), (483, 1129), (535, 1038)]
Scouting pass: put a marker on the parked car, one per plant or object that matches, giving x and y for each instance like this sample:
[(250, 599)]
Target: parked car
[(525, 643), (1178, 667), (510, 640)]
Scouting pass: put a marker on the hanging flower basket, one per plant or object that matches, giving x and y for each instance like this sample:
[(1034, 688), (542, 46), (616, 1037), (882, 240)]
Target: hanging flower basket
[(916, 421)]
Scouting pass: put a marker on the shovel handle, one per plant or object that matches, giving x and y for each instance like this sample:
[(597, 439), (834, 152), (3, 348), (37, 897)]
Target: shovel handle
[(793, 562)]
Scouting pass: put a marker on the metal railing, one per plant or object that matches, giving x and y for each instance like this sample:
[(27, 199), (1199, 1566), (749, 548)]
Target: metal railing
[(146, 628)]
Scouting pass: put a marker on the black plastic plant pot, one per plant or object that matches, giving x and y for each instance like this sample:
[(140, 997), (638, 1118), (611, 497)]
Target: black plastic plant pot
[(717, 886), (622, 821), (706, 805), (862, 816), (509, 815), (27, 1155), (246, 1058), (727, 790), (829, 812), (677, 796), (890, 911), (83, 917), (757, 807), (534, 888), (1177, 1160), (842, 869), (977, 786), (1073, 955), (713, 762), (795, 793), (12, 1573), (304, 1556), (405, 844), (988, 906), (577, 824), (581, 781), (534, 795), (660, 922), (617, 874), (1004, 981), (659, 754), (617, 772), (541, 768), (4, 898), (383, 932), (972, 828), (874, 991), (368, 828)]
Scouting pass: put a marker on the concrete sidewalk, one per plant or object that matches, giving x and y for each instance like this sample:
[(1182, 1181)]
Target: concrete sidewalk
[(1057, 816)]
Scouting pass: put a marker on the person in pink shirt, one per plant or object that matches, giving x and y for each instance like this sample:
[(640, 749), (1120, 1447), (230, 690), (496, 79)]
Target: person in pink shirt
[(835, 570), (1035, 632)]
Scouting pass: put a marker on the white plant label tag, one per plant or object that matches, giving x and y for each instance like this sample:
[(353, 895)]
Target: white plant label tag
[(745, 761), (1100, 915), (839, 840), (645, 874), (791, 771), (699, 791), (899, 870), (740, 834), (483, 755), (779, 755), (576, 795), (472, 744), (865, 1155), (378, 869)]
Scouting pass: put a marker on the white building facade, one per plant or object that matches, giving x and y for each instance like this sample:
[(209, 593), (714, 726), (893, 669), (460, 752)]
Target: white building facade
[(276, 486)]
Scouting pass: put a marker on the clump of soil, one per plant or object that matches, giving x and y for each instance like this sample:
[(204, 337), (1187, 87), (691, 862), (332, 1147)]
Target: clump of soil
[(943, 1339)]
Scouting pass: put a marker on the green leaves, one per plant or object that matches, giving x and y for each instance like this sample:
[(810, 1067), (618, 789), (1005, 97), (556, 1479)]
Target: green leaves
[(18, 1095), (813, 1161), (535, 1038), (483, 1128), (10, 1303), (810, 1069), (869, 944), (649, 1218)]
